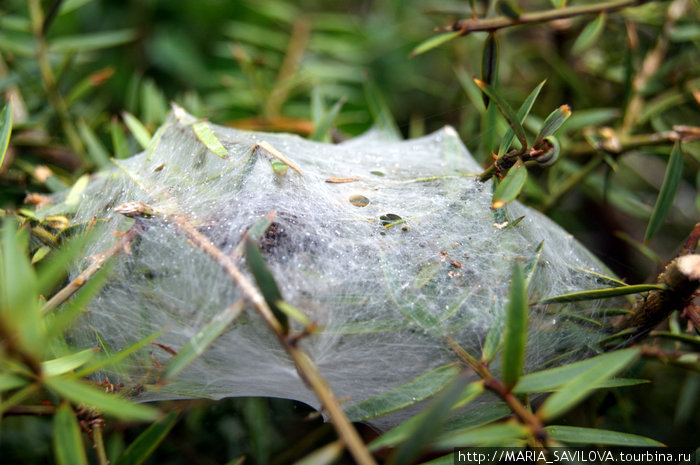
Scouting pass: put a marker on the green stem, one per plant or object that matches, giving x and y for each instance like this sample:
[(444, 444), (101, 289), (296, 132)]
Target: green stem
[(467, 26), (99, 445)]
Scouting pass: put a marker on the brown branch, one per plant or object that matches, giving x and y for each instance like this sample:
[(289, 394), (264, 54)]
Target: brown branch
[(681, 278), (80, 280), (496, 386), (467, 26)]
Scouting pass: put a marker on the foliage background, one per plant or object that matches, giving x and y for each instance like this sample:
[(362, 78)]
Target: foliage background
[(263, 65)]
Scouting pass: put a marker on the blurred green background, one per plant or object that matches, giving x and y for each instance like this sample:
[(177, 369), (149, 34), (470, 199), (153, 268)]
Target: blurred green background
[(279, 65)]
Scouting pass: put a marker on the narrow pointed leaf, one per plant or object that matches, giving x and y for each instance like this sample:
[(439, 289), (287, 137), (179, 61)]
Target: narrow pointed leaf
[(515, 331), (578, 435), (266, 282), (324, 125), (667, 193), (489, 63), (11, 381), (505, 110), (325, 455), (434, 42), (552, 123), (510, 186), (602, 293), (114, 358), (92, 41), (491, 435), (380, 111), (119, 145), (523, 112), (138, 130), (59, 366), (5, 129), (147, 442), (589, 35), (82, 393), (204, 133), (435, 415), (578, 387), (402, 396), (494, 338), (203, 339), (97, 151), (280, 167), (76, 191), (67, 441), (294, 313), (510, 9)]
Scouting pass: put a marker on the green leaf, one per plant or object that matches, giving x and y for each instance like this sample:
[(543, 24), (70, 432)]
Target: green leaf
[(515, 331), (505, 110), (203, 339), (552, 124), (82, 393), (510, 9), (119, 144), (434, 42), (589, 35), (553, 378), (40, 254), (138, 130), (147, 442), (402, 396), (489, 435), (578, 387), (266, 282), (114, 358), (5, 129), (602, 293), (19, 299), (76, 191), (67, 442), (294, 313), (209, 139), (489, 63), (59, 366), (425, 430), (686, 338), (380, 111), (93, 41), (11, 381), (667, 193), (510, 186), (324, 125), (280, 167), (578, 435), (523, 112)]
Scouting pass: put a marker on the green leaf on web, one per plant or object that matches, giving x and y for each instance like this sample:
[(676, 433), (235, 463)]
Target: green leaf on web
[(515, 330), (510, 186)]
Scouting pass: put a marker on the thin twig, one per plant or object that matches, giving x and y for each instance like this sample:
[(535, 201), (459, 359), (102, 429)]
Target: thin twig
[(99, 444), (467, 26), (80, 280), (495, 385)]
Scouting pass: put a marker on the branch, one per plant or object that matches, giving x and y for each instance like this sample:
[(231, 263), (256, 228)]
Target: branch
[(495, 385), (80, 280), (681, 278), (467, 26)]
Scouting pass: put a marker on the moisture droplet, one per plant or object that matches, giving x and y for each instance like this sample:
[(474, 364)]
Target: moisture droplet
[(359, 200)]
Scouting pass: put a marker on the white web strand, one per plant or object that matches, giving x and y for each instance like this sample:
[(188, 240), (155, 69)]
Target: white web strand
[(361, 282)]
